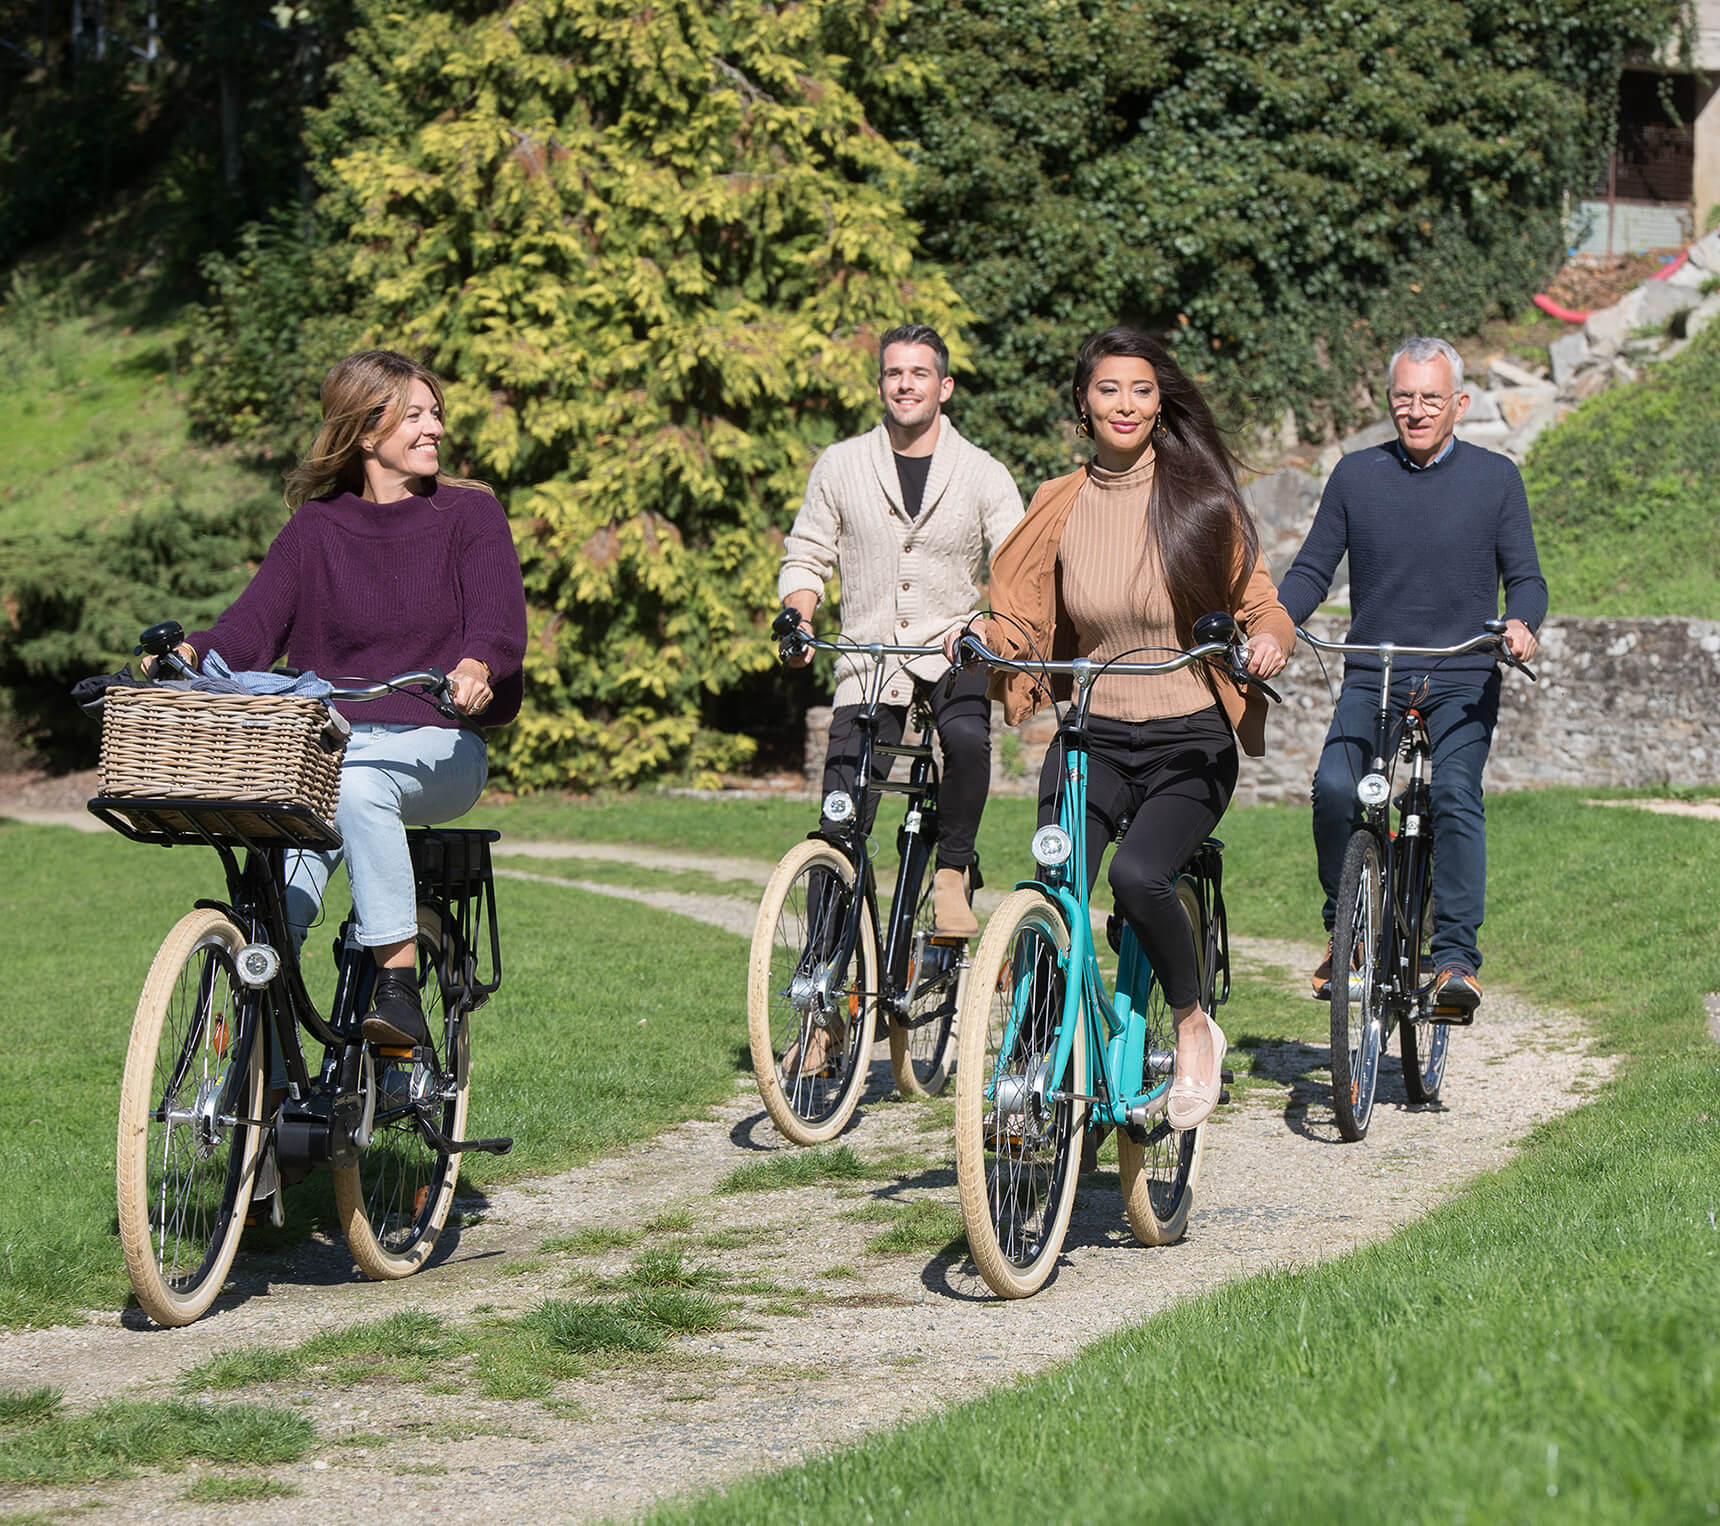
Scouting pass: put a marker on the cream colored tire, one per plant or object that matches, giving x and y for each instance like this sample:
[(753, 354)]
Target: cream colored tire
[(799, 914), (394, 1204), (184, 1171), (1017, 1153), (1158, 1176)]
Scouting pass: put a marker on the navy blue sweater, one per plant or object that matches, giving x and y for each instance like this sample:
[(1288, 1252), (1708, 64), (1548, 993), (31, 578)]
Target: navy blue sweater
[(1428, 551)]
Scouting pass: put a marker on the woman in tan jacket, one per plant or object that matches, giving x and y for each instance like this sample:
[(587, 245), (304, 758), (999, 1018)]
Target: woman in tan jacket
[(1118, 560)]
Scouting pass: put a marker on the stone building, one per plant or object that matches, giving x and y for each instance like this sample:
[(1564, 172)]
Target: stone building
[(1662, 182)]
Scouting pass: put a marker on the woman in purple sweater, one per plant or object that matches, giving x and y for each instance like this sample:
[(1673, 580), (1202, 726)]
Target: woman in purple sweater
[(387, 566)]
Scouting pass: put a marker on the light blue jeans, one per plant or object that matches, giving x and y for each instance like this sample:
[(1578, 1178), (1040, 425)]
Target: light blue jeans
[(393, 777)]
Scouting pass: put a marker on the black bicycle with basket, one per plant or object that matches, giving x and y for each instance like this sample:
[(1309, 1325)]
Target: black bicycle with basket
[(221, 1090)]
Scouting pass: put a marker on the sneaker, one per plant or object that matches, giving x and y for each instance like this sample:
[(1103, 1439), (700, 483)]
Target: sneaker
[(397, 1018), (952, 916), (1322, 978), (1456, 994)]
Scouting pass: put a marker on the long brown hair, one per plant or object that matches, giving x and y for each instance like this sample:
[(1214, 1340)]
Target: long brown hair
[(1198, 518), (365, 394)]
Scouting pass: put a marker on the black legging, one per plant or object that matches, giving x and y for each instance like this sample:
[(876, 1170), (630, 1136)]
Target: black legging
[(1171, 780), (963, 721)]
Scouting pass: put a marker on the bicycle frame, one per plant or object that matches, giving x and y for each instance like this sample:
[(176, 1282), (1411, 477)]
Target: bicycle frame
[(275, 1005), (915, 837), (1403, 854), (1114, 1034)]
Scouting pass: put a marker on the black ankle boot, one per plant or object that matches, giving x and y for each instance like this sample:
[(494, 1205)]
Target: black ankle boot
[(397, 1016)]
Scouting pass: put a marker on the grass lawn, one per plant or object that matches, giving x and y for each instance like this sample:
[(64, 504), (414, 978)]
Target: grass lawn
[(92, 426), (586, 1047), (1547, 1345)]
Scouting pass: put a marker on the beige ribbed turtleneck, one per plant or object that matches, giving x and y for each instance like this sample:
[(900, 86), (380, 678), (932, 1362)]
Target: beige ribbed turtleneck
[(1114, 590)]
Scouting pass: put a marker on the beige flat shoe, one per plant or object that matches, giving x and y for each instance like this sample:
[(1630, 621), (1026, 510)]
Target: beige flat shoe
[(952, 916), (1191, 1102), (822, 1045)]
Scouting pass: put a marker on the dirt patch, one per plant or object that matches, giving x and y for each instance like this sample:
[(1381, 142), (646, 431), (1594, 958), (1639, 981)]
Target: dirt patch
[(1703, 810), (1591, 283)]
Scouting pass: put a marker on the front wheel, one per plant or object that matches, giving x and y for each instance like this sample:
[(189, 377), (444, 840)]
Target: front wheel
[(1158, 1166), (921, 1048), (1018, 1126), (1358, 984), (797, 998), (1424, 1042), (190, 1121), (394, 1203)]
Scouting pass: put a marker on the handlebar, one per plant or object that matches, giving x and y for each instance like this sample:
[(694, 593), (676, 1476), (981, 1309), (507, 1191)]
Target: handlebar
[(1231, 652), (1493, 635), (162, 642), (792, 641)]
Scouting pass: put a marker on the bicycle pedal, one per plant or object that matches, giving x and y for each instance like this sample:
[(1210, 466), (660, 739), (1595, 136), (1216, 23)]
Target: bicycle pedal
[(395, 1051), (1453, 1017)]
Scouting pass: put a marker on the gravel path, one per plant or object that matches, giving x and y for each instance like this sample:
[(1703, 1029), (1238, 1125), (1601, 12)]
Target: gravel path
[(894, 1337)]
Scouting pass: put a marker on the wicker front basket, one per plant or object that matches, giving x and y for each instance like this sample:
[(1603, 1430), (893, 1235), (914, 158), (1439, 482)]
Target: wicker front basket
[(171, 744)]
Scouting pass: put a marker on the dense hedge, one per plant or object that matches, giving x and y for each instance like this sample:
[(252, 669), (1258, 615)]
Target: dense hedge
[(76, 598), (1284, 190)]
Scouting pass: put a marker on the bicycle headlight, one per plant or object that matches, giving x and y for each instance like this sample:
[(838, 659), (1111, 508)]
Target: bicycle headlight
[(258, 964), (1373, 789), (838, 806), (1052, 846)]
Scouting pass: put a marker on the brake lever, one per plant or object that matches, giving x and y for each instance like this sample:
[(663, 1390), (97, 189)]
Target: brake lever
[(1239, 671)]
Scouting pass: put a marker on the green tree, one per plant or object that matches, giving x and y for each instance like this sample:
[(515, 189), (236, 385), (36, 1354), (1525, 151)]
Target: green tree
[(652, 248), (1283, 189)]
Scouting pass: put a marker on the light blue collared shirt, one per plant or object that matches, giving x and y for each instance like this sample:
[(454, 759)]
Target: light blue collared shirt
[(1403, 455)]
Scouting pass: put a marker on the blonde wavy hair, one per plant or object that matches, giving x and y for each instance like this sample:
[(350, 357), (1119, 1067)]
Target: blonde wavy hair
[(364, 395)]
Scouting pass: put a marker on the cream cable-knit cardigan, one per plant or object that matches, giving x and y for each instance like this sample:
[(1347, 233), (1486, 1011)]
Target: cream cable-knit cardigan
[(904, 581)]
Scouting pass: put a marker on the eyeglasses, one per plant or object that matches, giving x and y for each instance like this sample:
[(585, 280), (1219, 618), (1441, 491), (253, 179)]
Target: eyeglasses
[(1431, 402)]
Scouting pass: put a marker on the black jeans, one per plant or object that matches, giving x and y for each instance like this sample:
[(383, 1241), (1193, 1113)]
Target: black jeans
[(963, 721), (1170, 781)]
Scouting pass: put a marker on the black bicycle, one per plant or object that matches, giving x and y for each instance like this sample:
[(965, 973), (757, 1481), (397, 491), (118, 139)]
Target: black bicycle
[(816, 985), (1381, 975), (220, 1102)]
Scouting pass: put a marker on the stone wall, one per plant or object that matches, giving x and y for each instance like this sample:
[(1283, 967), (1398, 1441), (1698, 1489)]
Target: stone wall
[(1627, 702)]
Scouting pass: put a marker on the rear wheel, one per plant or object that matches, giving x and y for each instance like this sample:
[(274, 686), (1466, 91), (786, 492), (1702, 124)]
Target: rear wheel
[(922, 1048), (1358, 980), (795, 999), (1018, 1126), (394, 1203), (1158, 1166), (190, 1122), (1424, 1042)]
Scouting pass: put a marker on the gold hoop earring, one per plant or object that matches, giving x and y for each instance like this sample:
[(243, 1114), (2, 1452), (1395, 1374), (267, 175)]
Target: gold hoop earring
[(1083, 430), (1159, 430)]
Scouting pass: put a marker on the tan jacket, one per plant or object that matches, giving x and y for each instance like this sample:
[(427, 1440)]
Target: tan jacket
[(904, 581), (1024, 586)]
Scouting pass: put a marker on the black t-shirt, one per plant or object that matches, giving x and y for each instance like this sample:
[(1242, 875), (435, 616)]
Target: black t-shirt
[(912, 470)]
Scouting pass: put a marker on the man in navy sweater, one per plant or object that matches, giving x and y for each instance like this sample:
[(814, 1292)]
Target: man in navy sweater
[(1432, 526)]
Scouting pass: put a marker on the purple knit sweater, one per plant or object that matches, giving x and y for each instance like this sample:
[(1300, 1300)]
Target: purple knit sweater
[(358, 590)]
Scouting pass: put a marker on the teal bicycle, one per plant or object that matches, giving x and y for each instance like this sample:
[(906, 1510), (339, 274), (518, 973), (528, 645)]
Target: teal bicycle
[(1050, 1057)]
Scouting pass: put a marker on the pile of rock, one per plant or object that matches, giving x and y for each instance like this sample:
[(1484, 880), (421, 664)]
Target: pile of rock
[(1513, 405)]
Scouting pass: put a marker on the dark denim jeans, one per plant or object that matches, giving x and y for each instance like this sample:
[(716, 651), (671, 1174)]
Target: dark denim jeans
[(1460, 719)]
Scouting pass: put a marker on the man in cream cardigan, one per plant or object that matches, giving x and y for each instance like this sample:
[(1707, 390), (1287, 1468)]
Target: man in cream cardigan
[(910, 515)]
